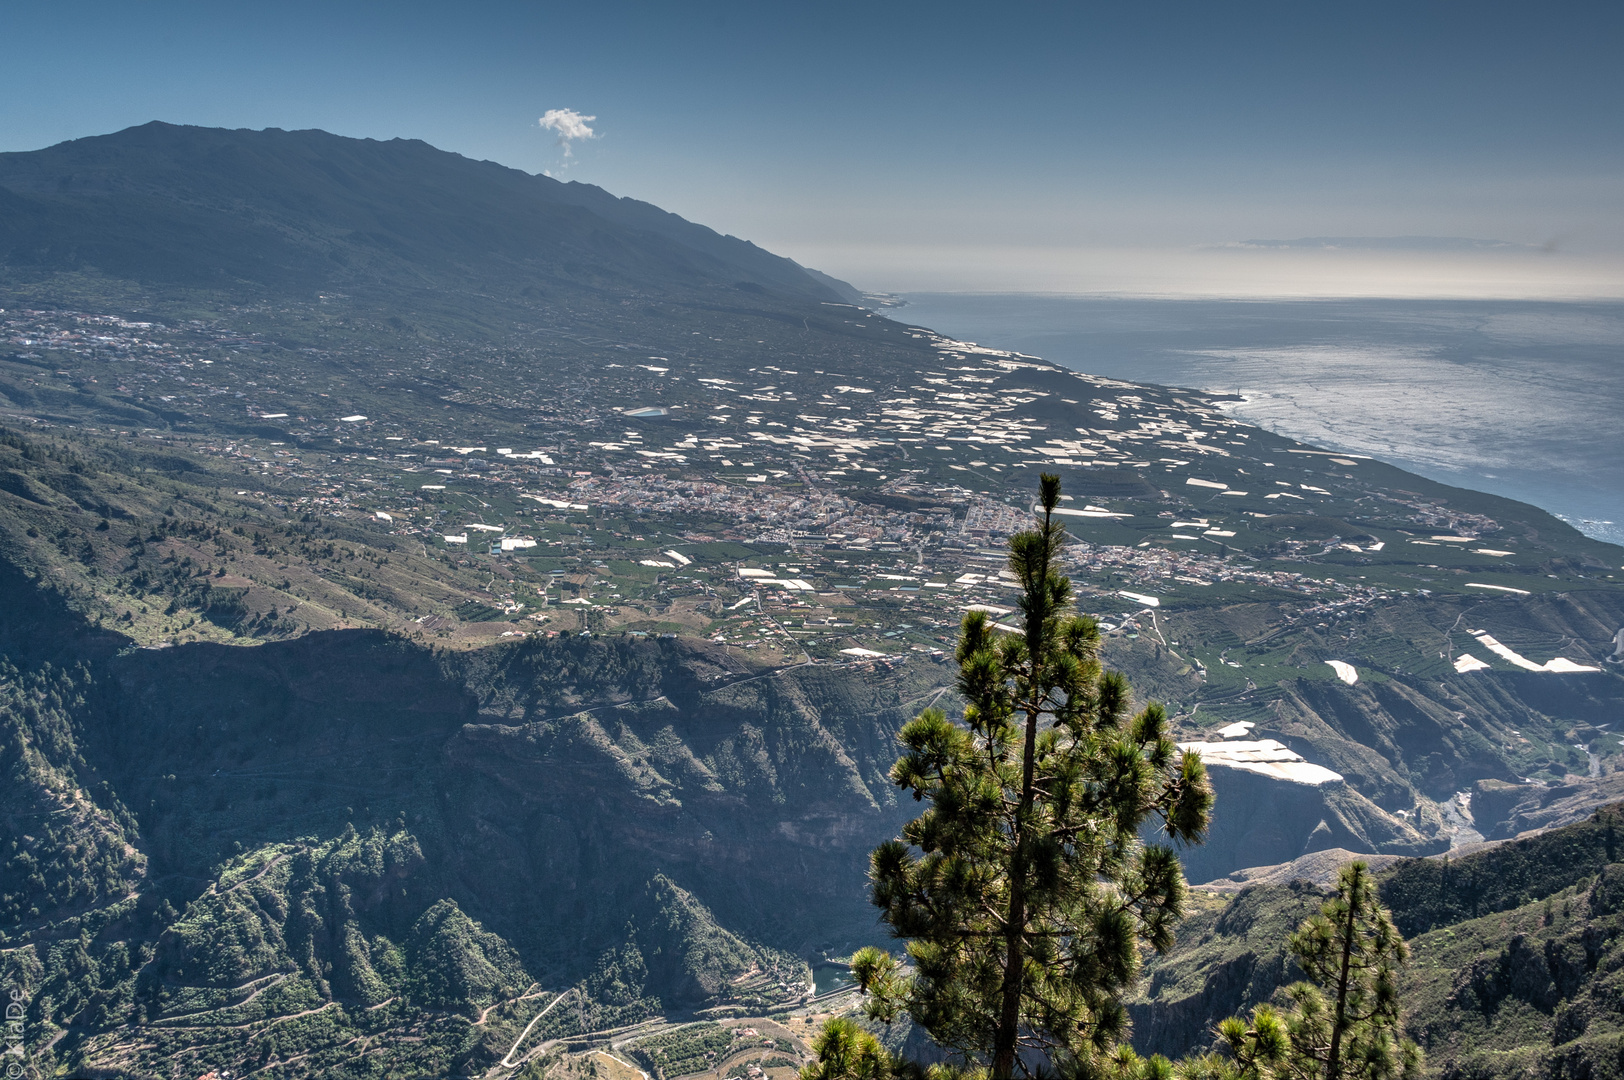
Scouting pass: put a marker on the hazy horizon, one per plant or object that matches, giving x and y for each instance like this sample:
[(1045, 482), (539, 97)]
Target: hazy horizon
[(1226, 272)]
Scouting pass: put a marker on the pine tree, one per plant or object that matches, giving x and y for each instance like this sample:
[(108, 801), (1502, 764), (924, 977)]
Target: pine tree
[(844, 1051), (1023, 890), (1343, 1023)]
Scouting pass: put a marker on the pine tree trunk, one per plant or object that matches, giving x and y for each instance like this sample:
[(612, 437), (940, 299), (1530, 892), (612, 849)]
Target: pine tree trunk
[(1333, 1060), (1009, 1018)]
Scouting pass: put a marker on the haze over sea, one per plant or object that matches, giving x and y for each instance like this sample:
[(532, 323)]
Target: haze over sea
[(1523, 399)]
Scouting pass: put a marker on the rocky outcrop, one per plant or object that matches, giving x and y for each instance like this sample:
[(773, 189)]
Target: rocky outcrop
[(1501, 810), (1274, 807)]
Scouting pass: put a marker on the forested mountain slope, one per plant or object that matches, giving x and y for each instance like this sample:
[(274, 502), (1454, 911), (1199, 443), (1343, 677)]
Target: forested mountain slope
[(352, 819), (275, 212)]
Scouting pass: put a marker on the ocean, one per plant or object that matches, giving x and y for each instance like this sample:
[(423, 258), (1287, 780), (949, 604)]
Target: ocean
[(1522, 399)]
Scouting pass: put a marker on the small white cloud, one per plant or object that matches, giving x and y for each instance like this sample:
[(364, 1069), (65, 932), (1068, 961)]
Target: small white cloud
[(570, 126)]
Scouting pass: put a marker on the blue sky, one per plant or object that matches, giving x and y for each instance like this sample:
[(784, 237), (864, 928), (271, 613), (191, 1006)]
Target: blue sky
[(1064, 147)]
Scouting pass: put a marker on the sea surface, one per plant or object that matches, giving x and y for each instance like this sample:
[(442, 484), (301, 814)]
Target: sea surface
[(1522, 399)]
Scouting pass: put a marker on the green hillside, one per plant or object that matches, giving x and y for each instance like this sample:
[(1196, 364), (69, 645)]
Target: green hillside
[(1514, 956)]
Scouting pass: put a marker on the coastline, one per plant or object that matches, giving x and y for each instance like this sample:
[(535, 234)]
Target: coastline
[(1515, 399)]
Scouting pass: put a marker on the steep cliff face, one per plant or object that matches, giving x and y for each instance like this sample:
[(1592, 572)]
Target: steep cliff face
[(1261, 818), (760, 794), (1413, 731), (771, 831), (1500, 810)]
